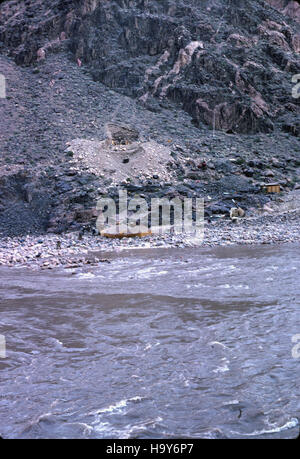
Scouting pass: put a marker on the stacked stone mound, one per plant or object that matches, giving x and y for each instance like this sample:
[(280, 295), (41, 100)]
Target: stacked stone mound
[(120, 134)]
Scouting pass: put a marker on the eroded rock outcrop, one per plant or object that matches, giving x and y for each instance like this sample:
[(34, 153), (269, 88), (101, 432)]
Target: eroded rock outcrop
[(289, 7), (229, 63)]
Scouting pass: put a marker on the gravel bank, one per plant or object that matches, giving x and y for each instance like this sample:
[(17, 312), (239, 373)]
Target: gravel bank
[(70, 251)]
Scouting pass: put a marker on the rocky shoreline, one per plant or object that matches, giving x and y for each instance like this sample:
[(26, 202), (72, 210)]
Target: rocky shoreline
[(179, 101), (72, 250)]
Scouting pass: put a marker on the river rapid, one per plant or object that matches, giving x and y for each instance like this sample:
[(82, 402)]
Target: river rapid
[(162, 343)]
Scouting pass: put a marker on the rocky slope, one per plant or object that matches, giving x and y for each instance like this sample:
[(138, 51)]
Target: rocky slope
[(289, 7), (209, 83)]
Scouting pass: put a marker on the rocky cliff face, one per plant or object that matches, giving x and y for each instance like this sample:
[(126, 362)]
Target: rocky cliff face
[(228, 63), (290, 8), (206, 84)]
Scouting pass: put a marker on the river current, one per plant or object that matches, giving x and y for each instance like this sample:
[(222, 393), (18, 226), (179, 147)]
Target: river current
[(162, 343)]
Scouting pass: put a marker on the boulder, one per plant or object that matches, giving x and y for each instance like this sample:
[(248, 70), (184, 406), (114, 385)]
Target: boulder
[(236, 212)]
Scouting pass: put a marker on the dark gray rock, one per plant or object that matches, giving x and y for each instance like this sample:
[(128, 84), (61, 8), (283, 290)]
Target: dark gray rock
[(215, 58)]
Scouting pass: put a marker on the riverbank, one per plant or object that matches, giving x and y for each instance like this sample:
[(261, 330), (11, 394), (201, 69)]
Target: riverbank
[(70, 250)]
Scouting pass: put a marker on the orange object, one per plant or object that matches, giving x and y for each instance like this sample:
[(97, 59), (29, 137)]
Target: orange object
[(122, 235), (272, 187)]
